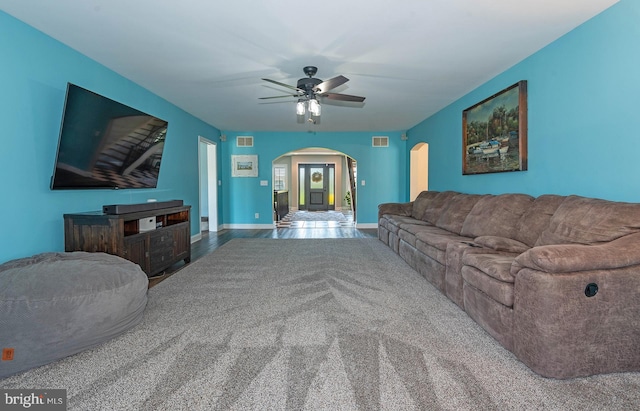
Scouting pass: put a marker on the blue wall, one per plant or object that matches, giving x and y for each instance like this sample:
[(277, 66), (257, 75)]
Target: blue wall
[(34, 73), (583, 90), (383, 169), (583, 94)]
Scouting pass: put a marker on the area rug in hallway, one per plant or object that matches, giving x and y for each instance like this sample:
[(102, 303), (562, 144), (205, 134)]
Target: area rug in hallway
[(318, 324), (316, 216), (316, 219)]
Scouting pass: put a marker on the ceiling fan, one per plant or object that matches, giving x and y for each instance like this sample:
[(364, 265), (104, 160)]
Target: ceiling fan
[(310, 88)]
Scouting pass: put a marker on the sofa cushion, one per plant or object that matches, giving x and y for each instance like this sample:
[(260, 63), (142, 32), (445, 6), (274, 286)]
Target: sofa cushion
[(408, 232), (439, 239), (495, 318), (580, 220), (433, 253), (490, 273), (433, 243), (497, 266), (421, 203), (537, 218), (437, 205), (393, 223), (501, 244), (453, 268), (457, 209), (496, 215), (500, 291)]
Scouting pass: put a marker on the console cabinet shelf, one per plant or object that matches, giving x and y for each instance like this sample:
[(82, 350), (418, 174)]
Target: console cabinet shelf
[(154, 239)]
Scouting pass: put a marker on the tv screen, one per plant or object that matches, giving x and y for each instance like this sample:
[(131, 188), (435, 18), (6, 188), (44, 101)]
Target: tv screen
[(106, 144)]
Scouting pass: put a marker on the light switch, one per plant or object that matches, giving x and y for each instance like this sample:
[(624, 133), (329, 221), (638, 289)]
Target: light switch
[(264, 183), (362, 183)]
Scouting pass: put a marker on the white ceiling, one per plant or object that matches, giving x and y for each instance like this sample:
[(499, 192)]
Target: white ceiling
[(409, 58)]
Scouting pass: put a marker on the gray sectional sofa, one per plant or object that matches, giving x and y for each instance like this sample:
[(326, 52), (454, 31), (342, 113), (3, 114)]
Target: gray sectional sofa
[(554, 279)]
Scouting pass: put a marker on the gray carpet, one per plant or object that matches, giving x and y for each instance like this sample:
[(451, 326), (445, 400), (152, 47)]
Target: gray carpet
[(324, 324)]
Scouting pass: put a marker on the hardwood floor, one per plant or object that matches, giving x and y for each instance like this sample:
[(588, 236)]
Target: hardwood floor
[(212, 240)]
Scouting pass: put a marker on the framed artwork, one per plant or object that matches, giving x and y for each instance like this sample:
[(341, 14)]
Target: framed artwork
[(494, 132), (244, 166)]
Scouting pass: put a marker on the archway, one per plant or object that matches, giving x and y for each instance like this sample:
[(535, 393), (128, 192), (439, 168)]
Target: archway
[(286, 177), (419, 170)]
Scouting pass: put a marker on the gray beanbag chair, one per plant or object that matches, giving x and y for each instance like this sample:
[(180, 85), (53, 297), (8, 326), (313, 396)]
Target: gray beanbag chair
[(53, 305)]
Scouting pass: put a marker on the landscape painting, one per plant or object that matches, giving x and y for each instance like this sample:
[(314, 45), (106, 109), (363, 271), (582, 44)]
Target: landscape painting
[(494, 132), (244, 166)]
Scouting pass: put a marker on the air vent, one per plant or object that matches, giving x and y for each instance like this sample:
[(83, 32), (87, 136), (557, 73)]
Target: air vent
[(246, 141), (380, 141)]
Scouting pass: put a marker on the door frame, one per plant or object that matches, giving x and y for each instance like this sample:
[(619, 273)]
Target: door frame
[(329, 185), (208, 182), (419, 170)]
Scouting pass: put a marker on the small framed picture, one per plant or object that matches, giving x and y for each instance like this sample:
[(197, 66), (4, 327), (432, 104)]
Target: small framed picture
[(244, 166)]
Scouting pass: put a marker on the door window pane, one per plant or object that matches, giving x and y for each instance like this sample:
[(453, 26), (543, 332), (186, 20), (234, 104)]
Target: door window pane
[(301, 192), (317, 178), (332, 194), (279, 178)]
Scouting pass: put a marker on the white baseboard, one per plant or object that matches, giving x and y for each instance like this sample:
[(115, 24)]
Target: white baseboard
[(248, 226), (196, 237)]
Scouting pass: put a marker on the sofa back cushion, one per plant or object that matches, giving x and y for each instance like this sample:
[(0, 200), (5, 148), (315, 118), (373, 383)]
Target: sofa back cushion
[(580, 220), (536, 218), (496, 215), (456, 210), (422, 202), (437, 205)]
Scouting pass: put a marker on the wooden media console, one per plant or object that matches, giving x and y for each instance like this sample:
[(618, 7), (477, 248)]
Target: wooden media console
[(154, 239)]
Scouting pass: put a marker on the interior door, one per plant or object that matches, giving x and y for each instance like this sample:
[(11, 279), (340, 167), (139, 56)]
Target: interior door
[(318, 186)]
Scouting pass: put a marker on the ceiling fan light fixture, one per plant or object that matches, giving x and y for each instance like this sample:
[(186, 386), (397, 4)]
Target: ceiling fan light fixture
[(300, 108), (314, 107), (308, 89)]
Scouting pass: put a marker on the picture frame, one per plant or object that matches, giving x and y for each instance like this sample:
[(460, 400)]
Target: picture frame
[(494, 132), (244, 166)]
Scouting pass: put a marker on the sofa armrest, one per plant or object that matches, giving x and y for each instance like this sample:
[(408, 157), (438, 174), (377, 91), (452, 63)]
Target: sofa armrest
[(568, 325), (403, 209), (564, 258)]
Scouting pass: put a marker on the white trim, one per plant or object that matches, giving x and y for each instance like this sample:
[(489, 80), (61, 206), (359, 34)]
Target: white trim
[(366, 225), (248, 226), (212, 219), (196, 237)]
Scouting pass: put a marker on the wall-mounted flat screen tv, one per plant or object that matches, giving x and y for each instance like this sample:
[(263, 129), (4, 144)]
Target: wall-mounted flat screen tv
[(106, 144)]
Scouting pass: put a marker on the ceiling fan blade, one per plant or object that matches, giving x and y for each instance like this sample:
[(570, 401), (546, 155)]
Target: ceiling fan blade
[(288, 95), (343, 97), (282, 84), (331, 84)]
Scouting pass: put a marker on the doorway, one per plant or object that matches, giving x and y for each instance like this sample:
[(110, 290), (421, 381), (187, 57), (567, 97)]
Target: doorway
[(317, 187), (419, 174), (207, 156)]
